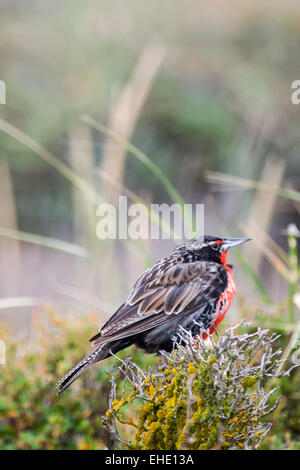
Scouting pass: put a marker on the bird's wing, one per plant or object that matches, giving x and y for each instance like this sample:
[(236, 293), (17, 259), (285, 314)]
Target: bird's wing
[(166, 289)]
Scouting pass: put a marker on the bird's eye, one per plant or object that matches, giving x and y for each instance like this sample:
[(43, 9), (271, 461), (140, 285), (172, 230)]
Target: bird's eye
[(215, 246)]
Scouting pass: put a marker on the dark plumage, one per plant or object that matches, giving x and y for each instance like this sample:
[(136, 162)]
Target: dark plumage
[(191, 287)]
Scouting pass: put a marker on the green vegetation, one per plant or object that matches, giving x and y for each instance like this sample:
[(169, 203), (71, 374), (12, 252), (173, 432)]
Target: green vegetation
[(32, 416), (197, 398), (215, 125), (200, 397)]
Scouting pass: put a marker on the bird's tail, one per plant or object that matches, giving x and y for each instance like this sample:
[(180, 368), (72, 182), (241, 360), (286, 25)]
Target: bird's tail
[(102, 351), (97, 355)]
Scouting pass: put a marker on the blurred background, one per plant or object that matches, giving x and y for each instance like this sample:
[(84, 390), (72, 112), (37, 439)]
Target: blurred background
[(203, 90)]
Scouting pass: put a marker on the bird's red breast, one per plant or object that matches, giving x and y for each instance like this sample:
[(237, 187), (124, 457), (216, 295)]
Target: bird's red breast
[(225, 299)]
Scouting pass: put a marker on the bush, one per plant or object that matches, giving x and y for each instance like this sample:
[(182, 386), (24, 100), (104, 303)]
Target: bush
[(199, 397), (32, 416), (180, 408)]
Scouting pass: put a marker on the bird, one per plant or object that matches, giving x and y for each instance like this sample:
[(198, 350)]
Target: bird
[(192, 288)]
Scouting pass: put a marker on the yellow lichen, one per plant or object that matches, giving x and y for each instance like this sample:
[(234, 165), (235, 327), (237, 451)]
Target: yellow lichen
[(249, 382), (191, 368)]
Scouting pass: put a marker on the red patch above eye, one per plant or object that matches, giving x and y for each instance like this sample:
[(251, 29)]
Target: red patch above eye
[(219, 242)]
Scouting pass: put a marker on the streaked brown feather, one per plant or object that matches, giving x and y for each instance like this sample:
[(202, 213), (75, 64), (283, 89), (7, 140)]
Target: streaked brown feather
[(190, 295), (153, 300), (135, 328), (168, 288), (179, 296), (140, 294)]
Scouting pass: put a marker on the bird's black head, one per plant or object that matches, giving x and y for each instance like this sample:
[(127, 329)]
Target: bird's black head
[(210, 248)]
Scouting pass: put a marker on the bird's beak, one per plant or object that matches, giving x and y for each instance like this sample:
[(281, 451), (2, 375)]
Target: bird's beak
[(232, 242)]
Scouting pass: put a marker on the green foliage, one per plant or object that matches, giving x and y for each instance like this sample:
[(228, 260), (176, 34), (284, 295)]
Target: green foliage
[(286, 418), (165, 414), (32, 416)]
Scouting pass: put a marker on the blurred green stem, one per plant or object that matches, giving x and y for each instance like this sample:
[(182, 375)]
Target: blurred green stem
[(223, 178), (142, 157), (292, 233), (47, 242), (52, 160)]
